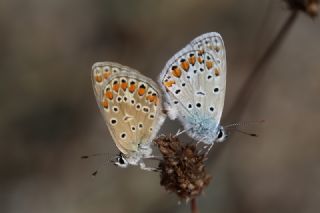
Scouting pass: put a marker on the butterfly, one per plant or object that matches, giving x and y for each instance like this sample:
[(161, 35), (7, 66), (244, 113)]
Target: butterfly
[(131, 105), (194, 83)]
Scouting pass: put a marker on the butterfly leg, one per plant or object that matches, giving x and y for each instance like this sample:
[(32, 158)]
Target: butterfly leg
[(205, 147), (152, 157), (181, 132), (208, 149), (150, 169)]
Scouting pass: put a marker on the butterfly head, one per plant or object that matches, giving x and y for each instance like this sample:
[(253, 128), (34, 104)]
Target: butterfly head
[(222, 134), (120, 161)]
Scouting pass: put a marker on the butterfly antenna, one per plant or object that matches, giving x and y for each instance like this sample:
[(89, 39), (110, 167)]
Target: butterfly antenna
[(246, 133), (245, 123), (94, 155), (94, 173)]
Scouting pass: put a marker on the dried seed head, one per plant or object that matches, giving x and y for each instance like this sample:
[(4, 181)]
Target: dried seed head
[(182, 168)]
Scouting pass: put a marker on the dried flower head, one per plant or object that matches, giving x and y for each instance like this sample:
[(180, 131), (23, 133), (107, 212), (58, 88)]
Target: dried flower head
[(182, 168)]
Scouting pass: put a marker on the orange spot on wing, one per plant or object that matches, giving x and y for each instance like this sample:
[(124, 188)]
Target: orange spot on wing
[(132, 87), (106, 74), (151, 98), (105, 104), (176, 72), (201, 52), (115, 87), (141, 91), (200, 60), (98, 78), (109, 95), (209, 64), (124, 85), (185, 65), (168, 83), (216, 72), (192, 60)]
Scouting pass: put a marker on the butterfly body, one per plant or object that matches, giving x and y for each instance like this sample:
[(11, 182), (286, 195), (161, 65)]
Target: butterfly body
[(131, 107), (194, 81)]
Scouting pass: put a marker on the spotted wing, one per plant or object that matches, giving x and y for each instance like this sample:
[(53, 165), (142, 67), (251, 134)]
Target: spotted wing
[(194, 81), (131, 106)]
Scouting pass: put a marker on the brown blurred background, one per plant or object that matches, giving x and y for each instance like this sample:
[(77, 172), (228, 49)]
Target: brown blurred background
[(49, 117)]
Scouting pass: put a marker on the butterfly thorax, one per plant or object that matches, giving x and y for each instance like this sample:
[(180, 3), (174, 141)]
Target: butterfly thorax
[(204, 130), (134, 158)]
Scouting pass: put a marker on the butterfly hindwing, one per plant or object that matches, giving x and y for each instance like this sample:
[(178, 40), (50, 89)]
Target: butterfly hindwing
[(131, 106)]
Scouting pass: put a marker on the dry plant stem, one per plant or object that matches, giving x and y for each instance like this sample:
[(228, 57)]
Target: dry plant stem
[(258, 70), (193, 205)]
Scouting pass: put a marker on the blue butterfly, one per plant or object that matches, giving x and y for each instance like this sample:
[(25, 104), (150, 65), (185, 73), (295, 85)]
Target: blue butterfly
[(194, 83)]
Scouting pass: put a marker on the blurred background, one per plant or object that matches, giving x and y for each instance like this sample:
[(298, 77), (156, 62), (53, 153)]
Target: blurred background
[(49, 116)]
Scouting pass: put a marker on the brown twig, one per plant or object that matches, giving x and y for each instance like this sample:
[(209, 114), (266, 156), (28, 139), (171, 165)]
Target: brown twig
[(194, 206)]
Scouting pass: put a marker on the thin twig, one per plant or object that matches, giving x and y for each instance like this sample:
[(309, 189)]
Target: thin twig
[(193, 206)]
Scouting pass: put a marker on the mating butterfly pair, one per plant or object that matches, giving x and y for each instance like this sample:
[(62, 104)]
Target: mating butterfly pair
[(194, 83)]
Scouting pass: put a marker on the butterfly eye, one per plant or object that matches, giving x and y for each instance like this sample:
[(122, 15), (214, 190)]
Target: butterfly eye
[(121, 160), (220, 134)]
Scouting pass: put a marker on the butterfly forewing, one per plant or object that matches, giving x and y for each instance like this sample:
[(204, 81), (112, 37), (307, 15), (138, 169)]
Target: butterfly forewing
[(131, 106), (194, 82)]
